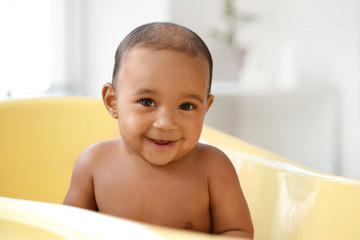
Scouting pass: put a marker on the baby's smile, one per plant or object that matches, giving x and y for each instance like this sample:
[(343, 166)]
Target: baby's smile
[(161, 144)]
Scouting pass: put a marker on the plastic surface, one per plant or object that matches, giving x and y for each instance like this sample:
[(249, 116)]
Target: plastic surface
[(24, 219), (40, 140)]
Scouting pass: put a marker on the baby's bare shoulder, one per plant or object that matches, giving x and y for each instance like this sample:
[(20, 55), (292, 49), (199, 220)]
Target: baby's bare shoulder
[(214, 159), (97, 152), (211, 154), (102, 147)]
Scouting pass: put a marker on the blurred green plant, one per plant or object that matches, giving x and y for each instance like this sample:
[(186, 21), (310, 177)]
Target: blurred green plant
[(233, 19)]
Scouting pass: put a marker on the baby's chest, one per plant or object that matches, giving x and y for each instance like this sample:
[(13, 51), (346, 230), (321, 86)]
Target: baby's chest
[(175, 203)]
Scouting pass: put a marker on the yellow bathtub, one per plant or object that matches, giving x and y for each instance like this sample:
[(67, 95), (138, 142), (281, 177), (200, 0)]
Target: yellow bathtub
[(40, 140)]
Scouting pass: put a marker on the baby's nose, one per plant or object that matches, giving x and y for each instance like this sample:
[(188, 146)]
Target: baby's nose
[(166, 120)]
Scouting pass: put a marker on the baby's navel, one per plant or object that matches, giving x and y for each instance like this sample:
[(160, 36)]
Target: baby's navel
[(189, 225)]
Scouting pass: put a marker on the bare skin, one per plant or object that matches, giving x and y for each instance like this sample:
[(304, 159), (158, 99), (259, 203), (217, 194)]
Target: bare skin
[(186, 194), (157, 172)]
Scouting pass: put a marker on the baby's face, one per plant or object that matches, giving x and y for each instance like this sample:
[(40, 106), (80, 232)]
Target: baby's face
[(162, 99)]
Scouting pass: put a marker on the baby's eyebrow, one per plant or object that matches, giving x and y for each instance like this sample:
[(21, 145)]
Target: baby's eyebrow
[(144, 91), (194, 96), (152, 91)]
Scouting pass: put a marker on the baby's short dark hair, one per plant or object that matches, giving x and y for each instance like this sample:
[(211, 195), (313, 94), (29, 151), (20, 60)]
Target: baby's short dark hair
[(163, 36)]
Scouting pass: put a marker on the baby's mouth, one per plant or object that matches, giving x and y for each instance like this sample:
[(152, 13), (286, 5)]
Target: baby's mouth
[(161, 145), (161, 142)]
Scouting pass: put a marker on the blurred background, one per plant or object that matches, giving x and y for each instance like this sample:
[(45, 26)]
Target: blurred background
[(286, 73)]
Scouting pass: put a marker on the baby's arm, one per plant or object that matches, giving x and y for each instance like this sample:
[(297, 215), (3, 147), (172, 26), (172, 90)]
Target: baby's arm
[(81, 190), (229, 210)]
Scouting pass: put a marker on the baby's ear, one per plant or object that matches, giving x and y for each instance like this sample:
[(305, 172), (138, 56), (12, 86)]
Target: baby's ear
[(109, 98), (209, 102)]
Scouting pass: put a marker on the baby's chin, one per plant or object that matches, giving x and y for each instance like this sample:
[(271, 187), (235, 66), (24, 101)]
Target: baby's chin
[(163, 159)]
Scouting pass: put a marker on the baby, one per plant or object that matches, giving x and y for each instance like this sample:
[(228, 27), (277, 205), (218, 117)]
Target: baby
[(157, 172)]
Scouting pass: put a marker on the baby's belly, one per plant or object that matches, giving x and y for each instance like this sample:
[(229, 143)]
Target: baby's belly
[(195, 219), (189, 212)]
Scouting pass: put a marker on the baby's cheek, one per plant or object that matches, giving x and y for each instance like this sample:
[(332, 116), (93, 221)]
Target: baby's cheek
[(196, 129)]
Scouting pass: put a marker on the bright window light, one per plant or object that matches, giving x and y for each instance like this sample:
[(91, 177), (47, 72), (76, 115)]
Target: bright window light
[(25, 46)]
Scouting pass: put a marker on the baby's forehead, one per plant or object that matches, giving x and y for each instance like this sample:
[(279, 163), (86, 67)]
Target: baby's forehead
[(135, 58), (136, 53)]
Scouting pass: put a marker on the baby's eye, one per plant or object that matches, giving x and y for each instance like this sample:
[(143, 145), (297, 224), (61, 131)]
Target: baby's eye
[(187, 106), (147, 102)]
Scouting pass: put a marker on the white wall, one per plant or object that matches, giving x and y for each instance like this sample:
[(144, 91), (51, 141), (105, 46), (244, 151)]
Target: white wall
[(301, 125)]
